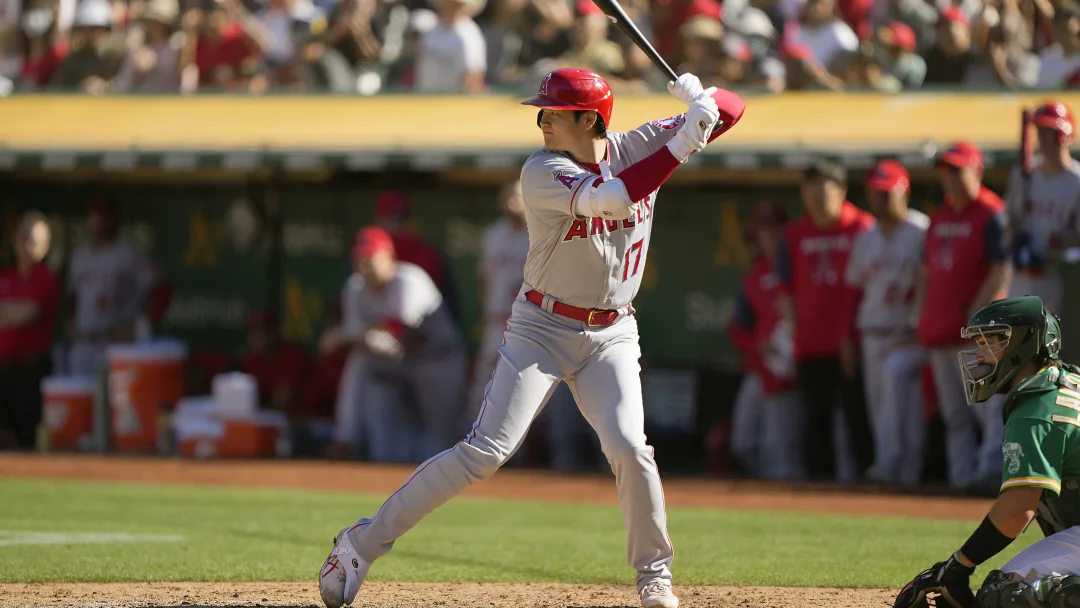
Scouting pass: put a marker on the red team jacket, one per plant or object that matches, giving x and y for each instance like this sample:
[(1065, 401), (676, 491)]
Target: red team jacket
[(756, 318), (41, 287), (811, 268), (960, 247)]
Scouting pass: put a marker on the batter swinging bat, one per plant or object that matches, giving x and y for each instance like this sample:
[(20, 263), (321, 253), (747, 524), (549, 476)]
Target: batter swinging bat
[(615, 12)]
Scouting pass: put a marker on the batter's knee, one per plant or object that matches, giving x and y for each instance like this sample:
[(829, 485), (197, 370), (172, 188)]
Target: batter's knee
[(625, 453), (481, 459), (1010, 590)]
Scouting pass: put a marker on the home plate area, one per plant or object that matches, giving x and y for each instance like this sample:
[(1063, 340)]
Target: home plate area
[(422, 595)]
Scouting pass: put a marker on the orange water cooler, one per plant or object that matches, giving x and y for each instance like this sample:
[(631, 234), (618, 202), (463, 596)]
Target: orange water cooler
[(145, 380), (68, 412)]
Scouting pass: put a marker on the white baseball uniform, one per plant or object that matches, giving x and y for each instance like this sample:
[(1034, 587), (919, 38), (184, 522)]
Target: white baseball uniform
[(585, 262), (109, 283), (1049, 208), (887, 268), (501, 270), (403, 409)]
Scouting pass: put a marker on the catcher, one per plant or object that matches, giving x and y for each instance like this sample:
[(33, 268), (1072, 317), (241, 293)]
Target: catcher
[(1016, 352)]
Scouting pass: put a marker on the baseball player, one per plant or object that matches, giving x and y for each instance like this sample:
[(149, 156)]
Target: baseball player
[(966, 266), (405, 349), (820, 307), (109, 281), (590, 197), (885, 264), (1045, 211), (771, 398), (1015, 353)]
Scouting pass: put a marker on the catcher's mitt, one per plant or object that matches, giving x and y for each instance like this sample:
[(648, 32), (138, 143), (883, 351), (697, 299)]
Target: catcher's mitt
[(944, 585)]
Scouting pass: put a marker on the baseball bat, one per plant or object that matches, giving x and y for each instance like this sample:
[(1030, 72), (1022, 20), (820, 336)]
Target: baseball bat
[(618, 16)]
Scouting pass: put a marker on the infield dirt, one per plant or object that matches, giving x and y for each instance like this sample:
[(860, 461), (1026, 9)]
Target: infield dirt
[(512, 484)]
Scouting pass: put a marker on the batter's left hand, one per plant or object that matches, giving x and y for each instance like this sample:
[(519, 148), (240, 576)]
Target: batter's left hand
[(686, 89)]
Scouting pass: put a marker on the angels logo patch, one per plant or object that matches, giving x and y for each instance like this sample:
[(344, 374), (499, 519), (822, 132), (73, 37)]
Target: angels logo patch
[(671, 122), (567, 181)]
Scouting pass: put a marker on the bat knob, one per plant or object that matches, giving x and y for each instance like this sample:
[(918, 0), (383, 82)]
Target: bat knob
[(613, 19), (701, 125)]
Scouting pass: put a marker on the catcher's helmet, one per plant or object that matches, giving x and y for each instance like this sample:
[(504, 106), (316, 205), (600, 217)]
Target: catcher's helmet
[(1056, 115), (574, 89), (1026, 333)]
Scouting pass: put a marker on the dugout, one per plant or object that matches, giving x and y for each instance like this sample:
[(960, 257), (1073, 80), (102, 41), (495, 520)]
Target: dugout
[(252, 202)]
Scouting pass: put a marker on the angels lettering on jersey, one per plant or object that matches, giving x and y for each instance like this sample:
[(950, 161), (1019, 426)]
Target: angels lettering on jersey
[(948, 232)]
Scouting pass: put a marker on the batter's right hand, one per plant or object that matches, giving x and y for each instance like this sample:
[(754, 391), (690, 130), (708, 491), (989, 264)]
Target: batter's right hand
[(686, 89), (697, 126)]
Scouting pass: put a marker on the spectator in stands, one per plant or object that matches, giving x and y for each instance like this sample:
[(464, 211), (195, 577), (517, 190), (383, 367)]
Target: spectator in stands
[(276, 21), (317, 67), (736, 65), (816, 303), (1004, 61), (504, 41), (154, 64), (550, 36), (280, 367), (351, 31), (452, 57), (699, 40), (41, 50), (590, 48), (856, 14), (896, 66), (802, 71), (225, 42), (921, 16), (94, 55), (831, 42), (402, 72), (29, 296), (952, 54), (1062, 58), (668, 18)]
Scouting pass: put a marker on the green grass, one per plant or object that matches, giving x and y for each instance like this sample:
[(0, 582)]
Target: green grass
[(271, 535)]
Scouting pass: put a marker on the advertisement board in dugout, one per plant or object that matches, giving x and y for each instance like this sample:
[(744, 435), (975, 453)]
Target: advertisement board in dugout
[(248, 203)]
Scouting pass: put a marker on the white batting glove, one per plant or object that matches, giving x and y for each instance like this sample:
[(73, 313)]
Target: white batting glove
[(698, 125), (686, 89)]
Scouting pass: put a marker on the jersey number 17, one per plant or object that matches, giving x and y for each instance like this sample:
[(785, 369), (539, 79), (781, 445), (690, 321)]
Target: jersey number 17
[(635, 248)]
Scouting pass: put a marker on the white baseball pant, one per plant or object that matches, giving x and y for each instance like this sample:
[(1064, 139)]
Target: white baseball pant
[(971, 459), (746, 425), (1056, 554)]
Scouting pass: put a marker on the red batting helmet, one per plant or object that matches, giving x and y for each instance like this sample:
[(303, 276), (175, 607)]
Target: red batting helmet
[(1056, 115), (574, 89)]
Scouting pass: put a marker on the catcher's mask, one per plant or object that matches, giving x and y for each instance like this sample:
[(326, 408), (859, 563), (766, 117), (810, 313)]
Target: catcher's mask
[(1008, 334)]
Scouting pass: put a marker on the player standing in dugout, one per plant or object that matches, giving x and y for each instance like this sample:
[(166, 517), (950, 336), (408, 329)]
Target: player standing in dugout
[(1044, 209), (1016, 353)]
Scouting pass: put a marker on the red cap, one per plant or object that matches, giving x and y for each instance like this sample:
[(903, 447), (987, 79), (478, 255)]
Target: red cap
[(887, 175), (391, 203), (902, 35), (370, 241), (1055, 115), (574, 89), (954, 14), (795, 50), (962, 154), (709, 8)]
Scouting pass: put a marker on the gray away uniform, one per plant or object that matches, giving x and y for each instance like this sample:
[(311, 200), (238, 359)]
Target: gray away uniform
[(583, 262)]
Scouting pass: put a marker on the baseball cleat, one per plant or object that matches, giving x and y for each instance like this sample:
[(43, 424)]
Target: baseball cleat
[(341, 573), (658, 594)]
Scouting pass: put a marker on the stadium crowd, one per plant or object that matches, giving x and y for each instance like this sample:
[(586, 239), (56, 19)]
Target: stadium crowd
[(476, 46)]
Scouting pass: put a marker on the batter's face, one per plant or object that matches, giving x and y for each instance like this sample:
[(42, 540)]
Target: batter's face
[(563, 130)]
